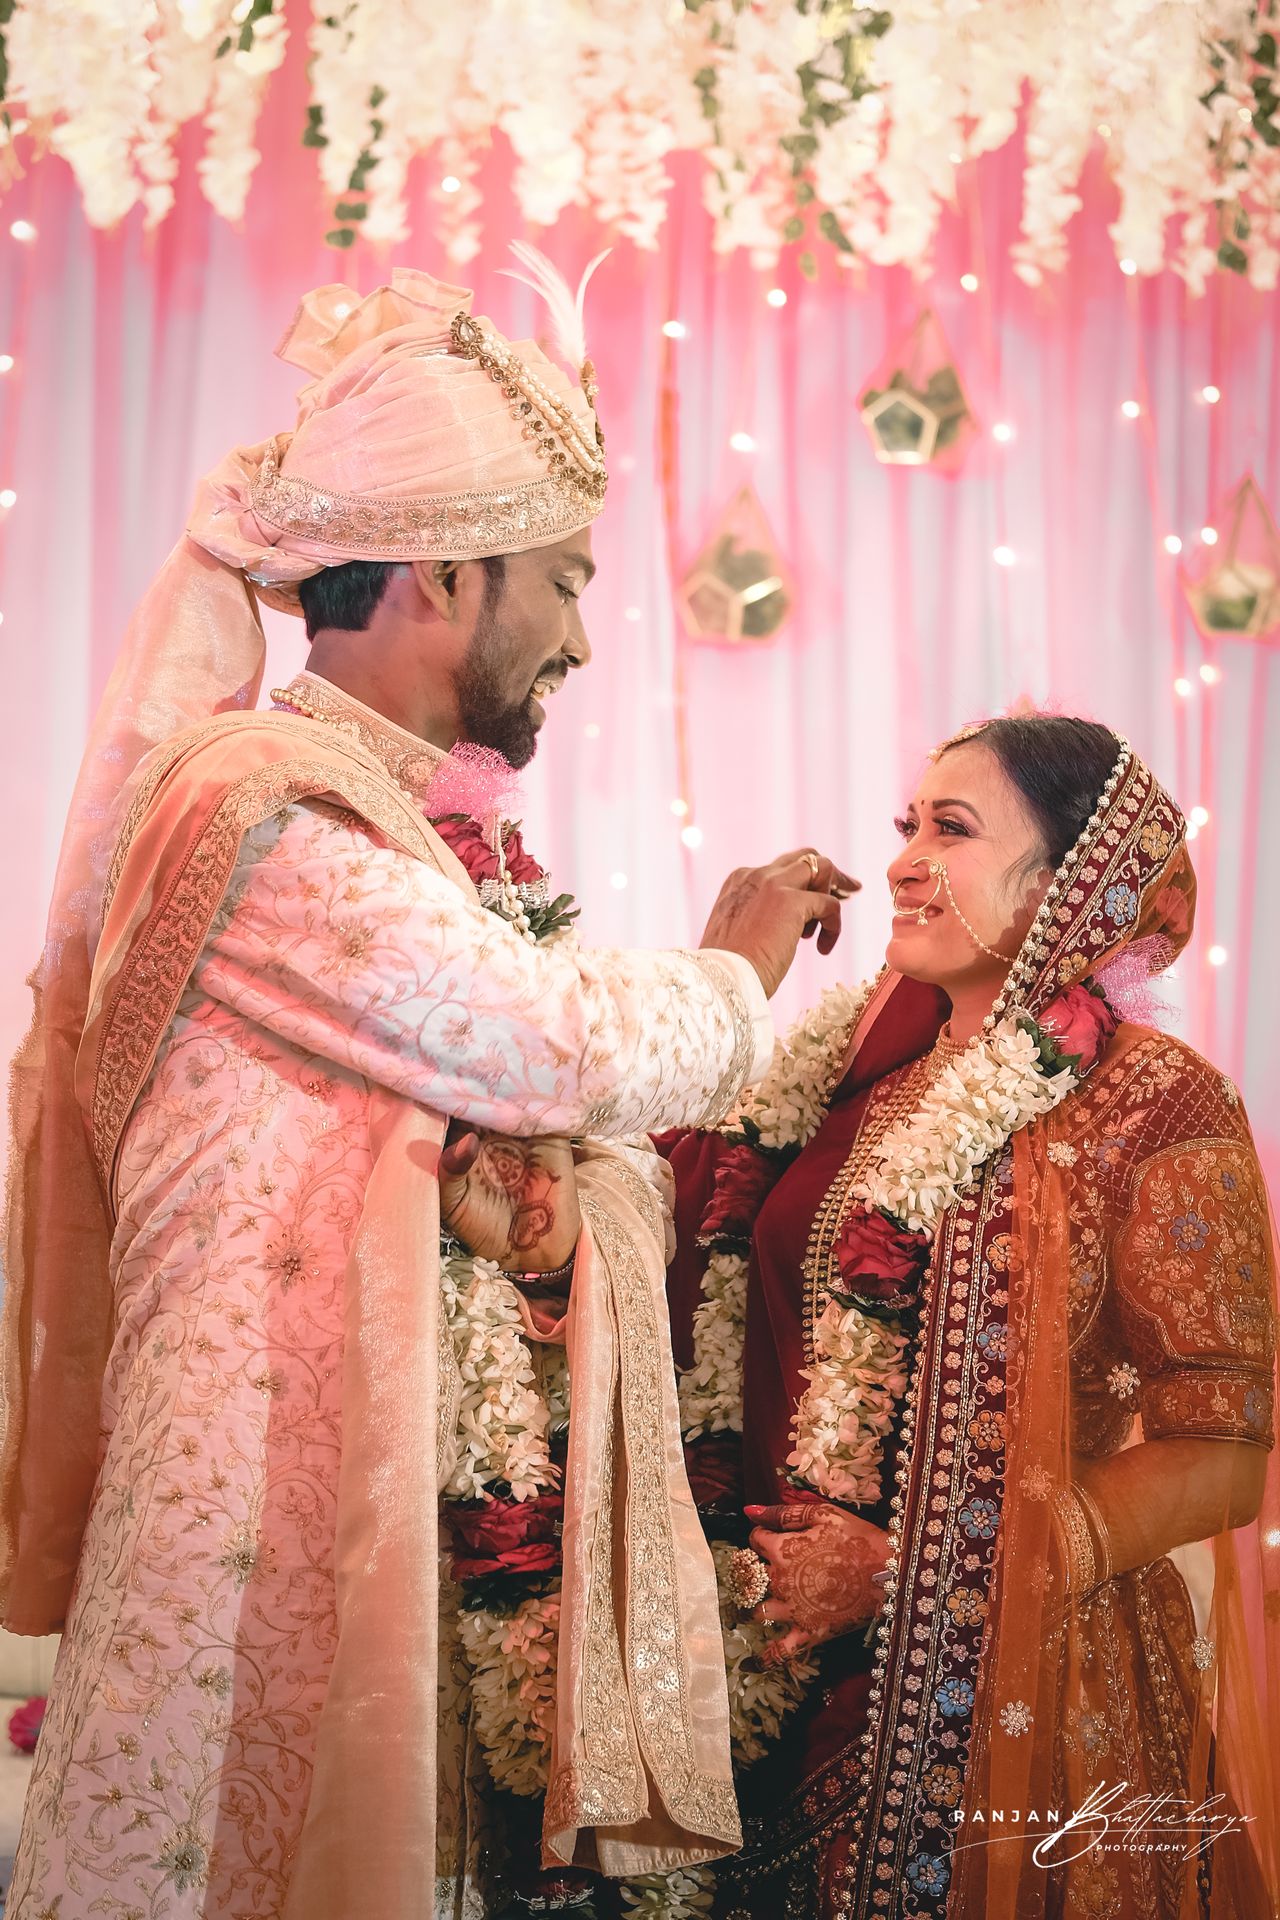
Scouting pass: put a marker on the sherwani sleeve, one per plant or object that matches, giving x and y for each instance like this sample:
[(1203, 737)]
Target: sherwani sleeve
[(362, 955)]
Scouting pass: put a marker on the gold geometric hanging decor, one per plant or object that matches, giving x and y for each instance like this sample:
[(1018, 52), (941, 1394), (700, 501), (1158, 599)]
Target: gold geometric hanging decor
[(737, 589), (1233, 589), (914, 406)]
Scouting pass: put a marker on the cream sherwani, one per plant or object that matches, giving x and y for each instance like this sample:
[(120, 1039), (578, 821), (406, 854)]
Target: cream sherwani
[(340, 979)]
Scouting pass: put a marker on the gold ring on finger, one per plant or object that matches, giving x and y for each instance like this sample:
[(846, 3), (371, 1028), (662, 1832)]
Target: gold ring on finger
[(814, 864)]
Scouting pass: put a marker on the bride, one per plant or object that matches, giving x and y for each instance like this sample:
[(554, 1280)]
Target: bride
[(976, 1306)]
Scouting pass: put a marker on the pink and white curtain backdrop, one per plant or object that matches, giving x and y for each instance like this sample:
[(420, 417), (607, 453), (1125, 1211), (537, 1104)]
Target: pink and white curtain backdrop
[(138, 360)]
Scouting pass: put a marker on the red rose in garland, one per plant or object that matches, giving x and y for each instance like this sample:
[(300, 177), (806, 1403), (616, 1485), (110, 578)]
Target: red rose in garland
[(463, 837), (742, 1180), (880, 1263), (540, 916), (506, 1536), (473, 847), (522, 866), (1080, 1023)]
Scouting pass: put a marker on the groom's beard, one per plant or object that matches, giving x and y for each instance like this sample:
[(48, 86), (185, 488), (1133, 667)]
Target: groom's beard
[(488, 715)]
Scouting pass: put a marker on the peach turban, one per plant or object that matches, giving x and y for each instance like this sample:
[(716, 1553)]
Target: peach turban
[(424, 436)]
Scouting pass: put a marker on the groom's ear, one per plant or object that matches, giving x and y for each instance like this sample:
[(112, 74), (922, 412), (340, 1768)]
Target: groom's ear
[(437, 582), (453, 589)]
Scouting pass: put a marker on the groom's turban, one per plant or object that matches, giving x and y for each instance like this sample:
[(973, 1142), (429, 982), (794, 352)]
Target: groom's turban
[(425, 435)]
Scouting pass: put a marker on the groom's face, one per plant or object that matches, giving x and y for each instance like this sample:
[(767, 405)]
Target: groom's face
[(528, 636)]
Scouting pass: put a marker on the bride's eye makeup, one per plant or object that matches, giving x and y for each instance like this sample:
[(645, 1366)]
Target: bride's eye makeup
[(908, 828)]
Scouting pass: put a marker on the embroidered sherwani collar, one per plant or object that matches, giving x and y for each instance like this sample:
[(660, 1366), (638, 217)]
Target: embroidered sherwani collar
[(411, 762)]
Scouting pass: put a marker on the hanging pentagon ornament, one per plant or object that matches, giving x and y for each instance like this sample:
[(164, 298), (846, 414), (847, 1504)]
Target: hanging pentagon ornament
[(914, 406), (737, 588), (1234, 591)]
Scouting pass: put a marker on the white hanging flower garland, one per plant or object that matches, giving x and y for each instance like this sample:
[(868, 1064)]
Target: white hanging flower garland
[(512, 1658), (820, 126)]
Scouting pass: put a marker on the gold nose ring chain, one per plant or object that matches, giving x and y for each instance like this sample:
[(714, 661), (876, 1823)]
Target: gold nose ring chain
[(942, 883)]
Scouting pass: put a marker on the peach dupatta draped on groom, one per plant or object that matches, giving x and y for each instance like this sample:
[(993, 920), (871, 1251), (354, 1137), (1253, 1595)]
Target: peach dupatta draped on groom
[(230, 1399)]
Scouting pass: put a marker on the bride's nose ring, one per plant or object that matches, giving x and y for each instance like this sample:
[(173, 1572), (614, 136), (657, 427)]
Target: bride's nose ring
[(937, 872)]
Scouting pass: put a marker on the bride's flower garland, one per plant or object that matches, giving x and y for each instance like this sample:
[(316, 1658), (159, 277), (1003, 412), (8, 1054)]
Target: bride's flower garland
[(778, 1118), (1011, 1074)]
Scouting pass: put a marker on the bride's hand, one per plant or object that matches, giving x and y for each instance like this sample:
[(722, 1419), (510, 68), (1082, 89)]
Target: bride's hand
[(821, 1564), (513, 1201)]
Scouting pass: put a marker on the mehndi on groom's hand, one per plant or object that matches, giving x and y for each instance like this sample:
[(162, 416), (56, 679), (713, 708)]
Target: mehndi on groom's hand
[(512, 1201), (764, 912)]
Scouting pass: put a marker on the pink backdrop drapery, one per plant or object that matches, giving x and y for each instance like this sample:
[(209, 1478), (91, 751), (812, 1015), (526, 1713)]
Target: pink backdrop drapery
[(140, 359)]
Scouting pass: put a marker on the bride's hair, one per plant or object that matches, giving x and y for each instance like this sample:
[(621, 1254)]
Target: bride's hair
[(1059, 765)]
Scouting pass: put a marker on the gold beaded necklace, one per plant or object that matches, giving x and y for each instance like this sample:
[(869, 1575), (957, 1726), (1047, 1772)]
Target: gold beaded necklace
[(893, 1099), (287, 697)]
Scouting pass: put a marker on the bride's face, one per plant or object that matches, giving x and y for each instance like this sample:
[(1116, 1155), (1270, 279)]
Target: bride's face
[(968, 815)]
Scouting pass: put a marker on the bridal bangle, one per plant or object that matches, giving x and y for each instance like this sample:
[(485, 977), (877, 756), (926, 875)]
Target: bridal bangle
[(1088, 1551), (1101, 1538)]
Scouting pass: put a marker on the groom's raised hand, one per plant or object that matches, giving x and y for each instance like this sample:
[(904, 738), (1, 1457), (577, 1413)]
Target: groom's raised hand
[(764, 912)]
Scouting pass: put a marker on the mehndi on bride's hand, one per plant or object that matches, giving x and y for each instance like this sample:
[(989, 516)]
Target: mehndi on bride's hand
[(822, 1562), (512, 1201)]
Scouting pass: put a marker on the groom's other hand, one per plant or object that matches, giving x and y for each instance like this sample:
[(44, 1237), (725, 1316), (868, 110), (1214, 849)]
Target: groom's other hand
[(764, 912)]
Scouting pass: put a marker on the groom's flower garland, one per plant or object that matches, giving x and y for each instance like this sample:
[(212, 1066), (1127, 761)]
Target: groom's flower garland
[(503, 1507)]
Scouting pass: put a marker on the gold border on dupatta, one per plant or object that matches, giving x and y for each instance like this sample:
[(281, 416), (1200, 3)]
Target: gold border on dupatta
[(696, 1801)]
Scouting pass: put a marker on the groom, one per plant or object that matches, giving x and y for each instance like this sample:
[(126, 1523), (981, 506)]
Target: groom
[(279, 965)]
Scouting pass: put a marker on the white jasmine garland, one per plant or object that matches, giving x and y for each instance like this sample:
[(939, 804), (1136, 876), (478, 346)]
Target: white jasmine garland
[(551, 1363), (760, 1697), (503, 1420), (783, 1113), (790, 1104), (972, 1108), (920, 1169), (711, 1389), (512, 1658), (858, 1376), (686, 1894)]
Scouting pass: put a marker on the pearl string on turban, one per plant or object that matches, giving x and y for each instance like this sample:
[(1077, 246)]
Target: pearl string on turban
[(424, 435)]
